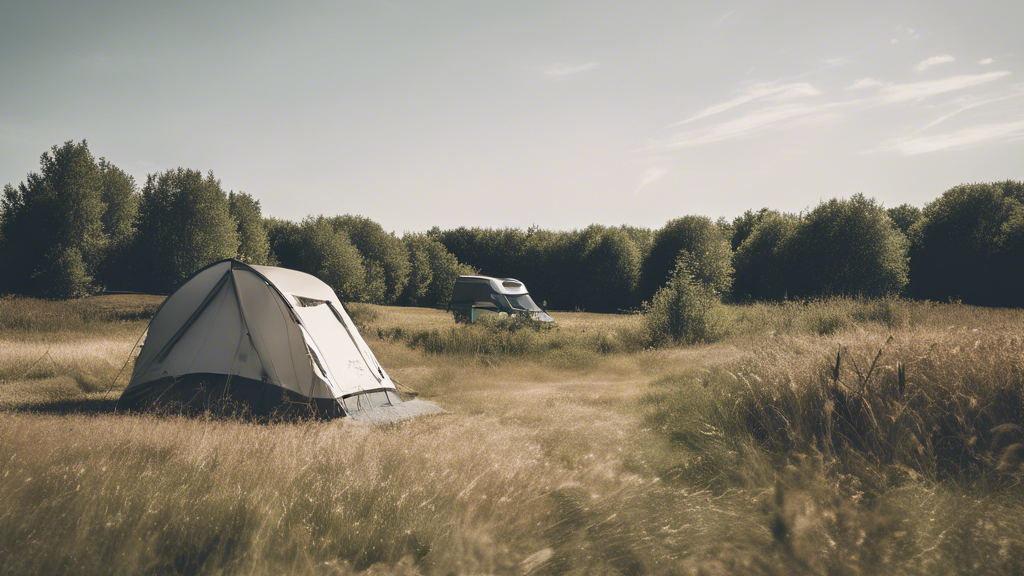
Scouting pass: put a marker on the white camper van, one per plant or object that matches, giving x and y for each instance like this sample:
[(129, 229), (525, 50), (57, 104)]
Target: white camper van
[(476, 296)]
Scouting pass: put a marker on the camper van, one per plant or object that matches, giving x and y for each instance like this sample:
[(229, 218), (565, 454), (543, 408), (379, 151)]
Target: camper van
[(477, 296)]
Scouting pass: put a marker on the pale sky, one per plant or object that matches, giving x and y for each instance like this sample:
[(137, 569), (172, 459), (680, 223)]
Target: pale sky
[(499, 114)]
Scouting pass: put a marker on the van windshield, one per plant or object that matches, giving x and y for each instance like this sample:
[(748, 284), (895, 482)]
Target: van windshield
[(522, 302)]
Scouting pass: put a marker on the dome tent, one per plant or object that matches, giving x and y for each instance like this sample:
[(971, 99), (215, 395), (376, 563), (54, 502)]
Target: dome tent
[(276, 340)]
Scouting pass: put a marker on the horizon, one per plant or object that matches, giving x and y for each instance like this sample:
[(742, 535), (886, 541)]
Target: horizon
[(505, 115)]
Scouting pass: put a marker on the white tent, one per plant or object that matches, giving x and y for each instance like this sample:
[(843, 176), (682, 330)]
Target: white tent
[(275, 339)]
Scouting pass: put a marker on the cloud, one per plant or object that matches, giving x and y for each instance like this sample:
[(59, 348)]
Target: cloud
[(726, 16), (753, 123), (970, 137), (904, 32), (771, 90), (907, 31), (1017, 92), (835, 62), (779, 107), (560, 70), (933, 61), (865, 83), (896, 93), (985, 62), (650, 176)]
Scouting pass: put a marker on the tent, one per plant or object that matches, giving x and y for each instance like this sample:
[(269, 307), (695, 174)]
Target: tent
[(277, 340)]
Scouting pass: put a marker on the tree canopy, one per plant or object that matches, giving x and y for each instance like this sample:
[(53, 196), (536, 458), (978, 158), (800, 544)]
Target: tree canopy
[(56, 215), (710, 255), (967, 245), (184, 224), (847, 247)]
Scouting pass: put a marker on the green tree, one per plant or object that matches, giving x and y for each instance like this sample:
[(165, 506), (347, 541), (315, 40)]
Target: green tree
[(433, 271), (55, 214), (710, 255), (63, 274), (904, 216), (600, 269), (282, 235), (121, 196), (848, 247), (328, 254), (184, 225), (744, 225), (384, 255), (966, 245), (761, 262), (253, 243)]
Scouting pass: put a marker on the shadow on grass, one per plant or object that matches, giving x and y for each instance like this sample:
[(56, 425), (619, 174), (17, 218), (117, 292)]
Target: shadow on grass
[(78, 406)]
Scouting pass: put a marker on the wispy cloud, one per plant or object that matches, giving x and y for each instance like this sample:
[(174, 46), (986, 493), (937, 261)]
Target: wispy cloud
[(1017, 92), (772, 91), (970, 137), (649, 177), (933, 61), (835, 62), (896, 93), (751, 124), (904, 32), (985, 62), (775, 107), (560, 70), (865, 83)]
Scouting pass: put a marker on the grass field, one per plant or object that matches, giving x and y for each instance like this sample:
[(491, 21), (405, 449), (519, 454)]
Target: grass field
[(833, 437)]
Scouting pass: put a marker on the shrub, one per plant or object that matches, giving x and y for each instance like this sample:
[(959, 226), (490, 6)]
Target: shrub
[(685, 310), (432, 271)]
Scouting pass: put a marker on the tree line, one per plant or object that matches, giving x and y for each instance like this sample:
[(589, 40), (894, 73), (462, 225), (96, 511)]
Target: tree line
[(81, 224)]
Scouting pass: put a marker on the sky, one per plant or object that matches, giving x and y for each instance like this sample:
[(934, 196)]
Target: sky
[(513, 114)]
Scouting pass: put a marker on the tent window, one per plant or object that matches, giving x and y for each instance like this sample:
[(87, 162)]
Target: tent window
[(308, 302)]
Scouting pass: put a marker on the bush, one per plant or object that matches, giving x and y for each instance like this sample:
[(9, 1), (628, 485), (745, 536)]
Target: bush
[(432, 272), (685, 310)]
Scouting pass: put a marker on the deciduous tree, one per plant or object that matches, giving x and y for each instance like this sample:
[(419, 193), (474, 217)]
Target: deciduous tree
[(184, 225)]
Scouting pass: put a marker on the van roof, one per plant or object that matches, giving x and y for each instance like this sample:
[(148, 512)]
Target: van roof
[(499, 285)]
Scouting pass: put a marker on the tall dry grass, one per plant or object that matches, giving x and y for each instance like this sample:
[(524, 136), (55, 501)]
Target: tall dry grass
[(694, 460)]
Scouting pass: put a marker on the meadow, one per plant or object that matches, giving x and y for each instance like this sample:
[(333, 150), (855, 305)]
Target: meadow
[(839, 436)]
